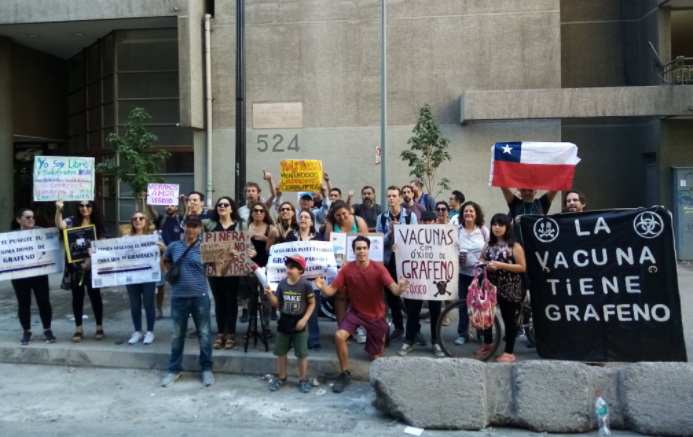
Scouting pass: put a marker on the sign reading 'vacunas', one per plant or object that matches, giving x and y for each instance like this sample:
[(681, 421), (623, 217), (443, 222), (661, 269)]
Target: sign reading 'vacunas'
[(605, 286)]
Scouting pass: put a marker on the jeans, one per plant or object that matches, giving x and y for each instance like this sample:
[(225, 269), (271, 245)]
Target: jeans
[(22, 288), (225, 292), (463, 288), (78, 299), (181, 308), (394, 302), (413, 325), (139, 294), (313, 327)]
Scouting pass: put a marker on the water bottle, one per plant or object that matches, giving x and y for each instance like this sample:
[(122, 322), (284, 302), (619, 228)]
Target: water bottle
[(260, 274), (602, 410)]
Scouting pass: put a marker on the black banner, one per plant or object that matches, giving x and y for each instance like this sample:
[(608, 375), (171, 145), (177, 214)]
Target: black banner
[(78, 241), (604, 285)]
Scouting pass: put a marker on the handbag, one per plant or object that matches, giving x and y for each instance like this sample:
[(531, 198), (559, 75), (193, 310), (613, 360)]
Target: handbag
[(481, 302), (174, 272)]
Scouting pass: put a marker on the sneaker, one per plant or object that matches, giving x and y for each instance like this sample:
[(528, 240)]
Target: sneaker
[(460, 341), (48, 336), (521, 332), (244, 316), (169, 379), (361, 335), (148, 337), (316, 348), (276, 384), (419, 339), (437, 351), (342, 382), (136, 338), (406, 348), (304, 386), (396, 334), (207, 378), (26, 338)]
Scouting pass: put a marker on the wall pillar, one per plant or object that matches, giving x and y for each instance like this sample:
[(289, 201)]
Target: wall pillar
[(6, 140)]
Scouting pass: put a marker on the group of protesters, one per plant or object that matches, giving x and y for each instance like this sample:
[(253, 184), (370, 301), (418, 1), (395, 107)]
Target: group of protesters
[(361, 290)]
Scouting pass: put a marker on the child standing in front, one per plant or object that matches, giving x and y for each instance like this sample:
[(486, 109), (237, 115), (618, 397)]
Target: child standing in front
[(296, 302)]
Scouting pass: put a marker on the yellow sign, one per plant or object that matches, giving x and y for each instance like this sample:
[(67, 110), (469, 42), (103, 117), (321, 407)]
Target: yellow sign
[(301, 175)]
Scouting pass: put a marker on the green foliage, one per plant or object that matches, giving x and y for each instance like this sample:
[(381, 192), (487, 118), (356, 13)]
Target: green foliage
[(133, 149), (429, 149)]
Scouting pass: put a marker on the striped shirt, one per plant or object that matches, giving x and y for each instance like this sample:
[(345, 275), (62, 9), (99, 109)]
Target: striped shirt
[(191, 281)]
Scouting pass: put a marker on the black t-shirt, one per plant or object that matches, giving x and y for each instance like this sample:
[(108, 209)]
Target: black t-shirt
[(540, 206), (170, 231), (220, 228), (370, 216), (293, 303)]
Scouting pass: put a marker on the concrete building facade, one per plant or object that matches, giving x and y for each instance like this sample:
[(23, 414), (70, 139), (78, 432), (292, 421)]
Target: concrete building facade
[(502, 70)]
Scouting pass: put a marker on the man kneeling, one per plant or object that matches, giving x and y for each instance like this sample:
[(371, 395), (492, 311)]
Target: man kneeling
[(365, 281)]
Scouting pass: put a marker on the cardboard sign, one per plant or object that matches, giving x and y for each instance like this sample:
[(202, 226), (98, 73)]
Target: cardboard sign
[(301, 175), (66, 178), (427, 255), (319, 257), (216, 245), (78, 242), (125, 261), (24, 254), (163, 194)]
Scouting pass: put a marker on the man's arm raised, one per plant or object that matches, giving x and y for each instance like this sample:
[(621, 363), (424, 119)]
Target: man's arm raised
[(327, 289), (399, 288), (508, 194)]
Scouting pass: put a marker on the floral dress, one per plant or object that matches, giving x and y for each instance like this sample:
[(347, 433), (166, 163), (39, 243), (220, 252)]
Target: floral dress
[(508, 284)]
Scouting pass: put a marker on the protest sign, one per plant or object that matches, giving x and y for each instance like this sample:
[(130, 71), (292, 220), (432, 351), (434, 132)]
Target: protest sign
[(427, 255), (78, 241), (376, 251), (604, 286), (125, 261), (24, 254), (66, 178), (162, 194), (301, 175), (218, 246), (318, 254)]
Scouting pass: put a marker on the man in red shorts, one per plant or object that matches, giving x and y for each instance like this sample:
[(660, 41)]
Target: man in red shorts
[(365, 281)]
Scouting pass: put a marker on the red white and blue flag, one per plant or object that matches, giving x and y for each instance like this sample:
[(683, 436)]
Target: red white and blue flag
[(537, 166)]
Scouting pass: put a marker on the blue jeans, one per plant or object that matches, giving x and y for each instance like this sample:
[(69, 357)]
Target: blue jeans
[(181, 308), (313, 327), (139, 294), (463, 288)]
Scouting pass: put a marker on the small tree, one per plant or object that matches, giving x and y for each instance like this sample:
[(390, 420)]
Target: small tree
[(133, 147), (428, 150)]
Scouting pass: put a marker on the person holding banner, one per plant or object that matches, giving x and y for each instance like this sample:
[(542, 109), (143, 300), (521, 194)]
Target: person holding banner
[(574, 201), (78, 275), (526, 204), (24, 220), (504, 260), (286, 221)]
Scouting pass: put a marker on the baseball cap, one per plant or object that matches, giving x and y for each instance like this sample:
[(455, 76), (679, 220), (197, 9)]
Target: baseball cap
[(193, 219), (299, 259), (307, 195), (428, 215)]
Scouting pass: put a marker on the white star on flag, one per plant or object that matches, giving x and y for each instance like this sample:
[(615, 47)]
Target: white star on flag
[(507, 149)]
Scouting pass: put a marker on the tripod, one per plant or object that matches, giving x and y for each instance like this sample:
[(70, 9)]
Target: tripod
[(255, 307)]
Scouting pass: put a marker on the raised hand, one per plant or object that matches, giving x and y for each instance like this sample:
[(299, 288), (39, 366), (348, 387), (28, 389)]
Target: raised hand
[(320, 281), (266, 175), (326, 176), (351, 194), (59, 204)]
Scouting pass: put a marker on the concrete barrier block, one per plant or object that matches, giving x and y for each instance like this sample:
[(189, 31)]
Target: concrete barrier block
[(658, 398), (553, 396), (431, 393), (606, 382), (499, 394)]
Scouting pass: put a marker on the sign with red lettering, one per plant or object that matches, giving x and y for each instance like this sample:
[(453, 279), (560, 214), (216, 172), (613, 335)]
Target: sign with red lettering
[(238, 242), (162, 194)]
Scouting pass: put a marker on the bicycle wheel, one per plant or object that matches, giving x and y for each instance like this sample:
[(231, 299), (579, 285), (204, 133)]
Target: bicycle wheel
[(448, 334)]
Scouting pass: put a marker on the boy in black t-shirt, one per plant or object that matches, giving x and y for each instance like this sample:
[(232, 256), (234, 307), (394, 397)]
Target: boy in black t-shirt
[(296, 302)]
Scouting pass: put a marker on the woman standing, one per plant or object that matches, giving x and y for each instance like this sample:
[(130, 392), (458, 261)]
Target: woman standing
[(225, 218), (473, 236), (263, 235), (287, 221), (24, 220), (78, 275), (504, 259), (144, 293), (442, 218), (340, 219)]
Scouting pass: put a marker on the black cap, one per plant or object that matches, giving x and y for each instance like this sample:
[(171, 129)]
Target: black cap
[(428, 216), (193, 219)]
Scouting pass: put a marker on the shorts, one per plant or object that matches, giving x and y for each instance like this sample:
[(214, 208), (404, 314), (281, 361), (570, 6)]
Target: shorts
[(282, 343), (375, 331)]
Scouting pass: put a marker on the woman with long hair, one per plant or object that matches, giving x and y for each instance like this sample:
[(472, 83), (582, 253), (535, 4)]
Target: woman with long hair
[(286, 221), (263, 235), (225, 218), (144, 293), (504, 260), (442, 212), (78, 275), (24, 220), (340, 219)]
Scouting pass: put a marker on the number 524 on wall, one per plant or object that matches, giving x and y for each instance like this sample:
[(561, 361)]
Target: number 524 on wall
[(277, 142)]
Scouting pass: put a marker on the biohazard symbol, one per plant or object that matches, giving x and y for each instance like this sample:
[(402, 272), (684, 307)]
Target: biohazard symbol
[(648, 224)]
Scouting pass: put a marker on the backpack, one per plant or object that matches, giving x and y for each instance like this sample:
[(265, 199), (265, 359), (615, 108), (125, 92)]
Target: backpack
[(383, 219), (481, 302), (163, 221)]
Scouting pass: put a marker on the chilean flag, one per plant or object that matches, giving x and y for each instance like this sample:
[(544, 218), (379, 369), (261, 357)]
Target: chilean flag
[(536, 166)]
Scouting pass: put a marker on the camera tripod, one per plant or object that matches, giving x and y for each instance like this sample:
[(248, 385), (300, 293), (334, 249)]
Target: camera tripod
[(255, 310)]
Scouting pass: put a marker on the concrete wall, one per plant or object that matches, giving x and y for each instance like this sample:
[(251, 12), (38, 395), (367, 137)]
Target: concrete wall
[(191, 65), (6, 141), (39, 99)]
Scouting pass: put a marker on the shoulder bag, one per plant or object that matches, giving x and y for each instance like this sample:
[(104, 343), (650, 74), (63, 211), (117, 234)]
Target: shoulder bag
[(174, 271)]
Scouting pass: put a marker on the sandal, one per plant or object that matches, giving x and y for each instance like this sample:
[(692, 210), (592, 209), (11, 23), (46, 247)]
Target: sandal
[(446, 321), (99, 335), (230, 341), (221, 338), (484, 349), (77, 337), (506, 358)]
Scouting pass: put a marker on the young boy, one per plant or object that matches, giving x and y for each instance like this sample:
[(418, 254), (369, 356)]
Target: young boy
[(296, 302)]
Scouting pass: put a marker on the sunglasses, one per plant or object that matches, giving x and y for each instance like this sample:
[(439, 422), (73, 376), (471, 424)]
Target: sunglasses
[(82, 205), (258, 211), (28, 217), (138, 219), (223, 205), (441, 209), (285, 209)]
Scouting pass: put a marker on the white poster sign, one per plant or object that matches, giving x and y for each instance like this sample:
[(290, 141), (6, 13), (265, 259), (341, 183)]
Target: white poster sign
[(66, 178), (162, 194), (375, 253), (319, 260), (427, 255), (125, 261), (24, 254)]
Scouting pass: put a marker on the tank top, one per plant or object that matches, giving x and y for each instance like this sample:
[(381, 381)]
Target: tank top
[(353, 230), (220, 228), (261, 248)]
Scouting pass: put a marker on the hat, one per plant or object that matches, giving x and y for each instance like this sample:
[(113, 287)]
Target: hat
[(299, 259), (192, 219), (428, 215), (307, 195)]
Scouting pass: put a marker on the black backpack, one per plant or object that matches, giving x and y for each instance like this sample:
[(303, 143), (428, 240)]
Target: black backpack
[(383, 219)]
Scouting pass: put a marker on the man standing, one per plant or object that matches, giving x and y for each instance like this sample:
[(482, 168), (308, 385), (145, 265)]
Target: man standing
[(409, 204), (424, 199), (188, 298), (252, 195), (194, 205), (320, 214), (170, 229), (526, 204), (365, 281), (368, 210), (574, 201), (456, 201)]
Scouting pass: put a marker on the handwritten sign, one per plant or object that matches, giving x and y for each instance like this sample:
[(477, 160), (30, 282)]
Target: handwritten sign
[(125, 261), (163, 194), (66, 178), (319, 260), (78, 241), (301, 175), (217, 246), (427, 255), (24, 254)]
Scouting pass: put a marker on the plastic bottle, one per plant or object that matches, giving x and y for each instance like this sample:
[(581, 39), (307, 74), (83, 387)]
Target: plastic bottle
[(602, 410), (260, 274)]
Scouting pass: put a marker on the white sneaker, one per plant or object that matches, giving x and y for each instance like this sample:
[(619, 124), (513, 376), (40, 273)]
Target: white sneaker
[(148, 337), (406, 348), (136, 337), (460, 341), (437, 351), (361, 335)]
